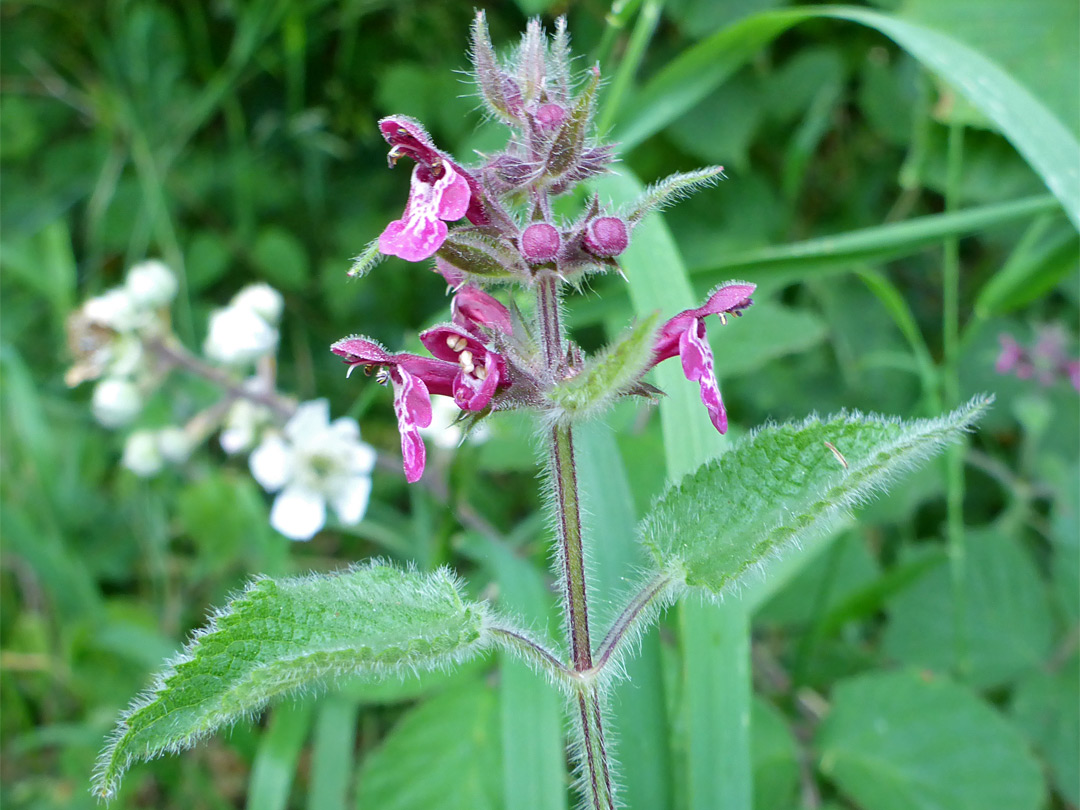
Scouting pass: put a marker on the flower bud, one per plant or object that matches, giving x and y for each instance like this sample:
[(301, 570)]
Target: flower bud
[(263, 300), (116, 402), (114, 310), (142, 455), (606, 237), (151, 284), (540, 243), (549, 116)]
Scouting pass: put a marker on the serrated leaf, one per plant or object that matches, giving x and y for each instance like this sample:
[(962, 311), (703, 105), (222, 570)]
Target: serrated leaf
[(895, 741), (672, 189), (281, 635), (781, 484), (609, 373), (444, 754)]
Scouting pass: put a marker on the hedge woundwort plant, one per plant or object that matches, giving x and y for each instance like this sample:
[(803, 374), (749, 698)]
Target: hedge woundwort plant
[(704, 534)]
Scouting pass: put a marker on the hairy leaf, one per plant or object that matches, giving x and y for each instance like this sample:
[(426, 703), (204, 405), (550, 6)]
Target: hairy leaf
[(366, 260), (672, 189), (611, 372), (781, 484), (288, 634), (475, 254)]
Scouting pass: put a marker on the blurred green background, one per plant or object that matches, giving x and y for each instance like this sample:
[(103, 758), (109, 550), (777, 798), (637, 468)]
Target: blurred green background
[(237, 142)]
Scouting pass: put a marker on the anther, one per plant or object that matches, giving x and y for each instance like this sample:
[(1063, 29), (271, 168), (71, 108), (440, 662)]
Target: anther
[(723, 318), (456, 342), (481, 372)]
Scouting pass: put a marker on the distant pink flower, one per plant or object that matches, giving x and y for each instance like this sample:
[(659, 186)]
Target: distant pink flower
[(473, 308), (415, 379), (1011, 354), (685, 336)]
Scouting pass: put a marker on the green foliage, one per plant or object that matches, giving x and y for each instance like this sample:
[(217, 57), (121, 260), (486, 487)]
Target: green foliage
[(896, 741), (609, 373), (282, 635), (781, 485), (443, 754)]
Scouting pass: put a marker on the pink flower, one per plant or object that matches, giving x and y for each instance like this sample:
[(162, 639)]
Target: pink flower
[(684, 335), (414, 379), (479, 370), (1011, 354), (437, 193), (475, 311)]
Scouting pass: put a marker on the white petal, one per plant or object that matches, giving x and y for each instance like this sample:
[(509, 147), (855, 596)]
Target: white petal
[(272, 462), (116, 402), (261, 299), (351, 501), (362, 458), (237, 336), (151, 284), (311, 419), (346, 429), (298, 513), (141, 453)]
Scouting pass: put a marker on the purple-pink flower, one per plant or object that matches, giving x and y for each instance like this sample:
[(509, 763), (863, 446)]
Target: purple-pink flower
[(684, 335), (479, 370), (415, 379)]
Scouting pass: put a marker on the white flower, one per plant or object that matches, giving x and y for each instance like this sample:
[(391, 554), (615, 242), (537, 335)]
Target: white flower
[(313, 463), (263, 300), (114, 310), (116, 402), (238, 335), (174, 444), (142, 455), (242, 425), (151, 285)]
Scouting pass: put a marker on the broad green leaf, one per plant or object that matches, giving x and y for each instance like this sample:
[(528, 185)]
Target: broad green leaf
[(1032, 129), (282, 635), (897, 741), (279, 750), (776, 758), (877, 244), (713, 742), (444, 754), (1044, 706), (333, 752), (637, 705), (610, 372), (782, 484), (1009, 627)]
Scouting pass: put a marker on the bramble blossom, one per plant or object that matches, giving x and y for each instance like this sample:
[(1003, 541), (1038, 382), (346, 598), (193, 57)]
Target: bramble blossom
[(311, 463)]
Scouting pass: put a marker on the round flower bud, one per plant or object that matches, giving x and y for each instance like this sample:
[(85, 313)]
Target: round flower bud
[(606, 237), (263, 300), (540, 243), (141, 454), (174, 444), (549, 116), (116, 402), (151, 284), (239, 335), (114, 310)]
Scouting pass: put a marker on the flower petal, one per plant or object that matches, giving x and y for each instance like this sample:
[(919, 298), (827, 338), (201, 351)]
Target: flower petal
[(473, 307), (472, 393), (298, 513), (697, 363), (310, 419), (412, 404), (452, 193), (729, 297), (271, 462), (351, 500)]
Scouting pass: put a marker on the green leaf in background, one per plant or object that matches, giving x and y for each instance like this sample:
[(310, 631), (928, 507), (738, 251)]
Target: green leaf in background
[(897, 741), (781, 484), (1009, 627), (773, 332), (280, 635), (443, 754), (610, 372), (1043, 705), (775, 756), (281, 259), (1032, 129)]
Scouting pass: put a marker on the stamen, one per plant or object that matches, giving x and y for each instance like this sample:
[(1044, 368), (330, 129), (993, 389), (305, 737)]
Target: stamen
[(395, 152), (456, 342), (481, 372), (466, 358), (382, 377), (723, 318)]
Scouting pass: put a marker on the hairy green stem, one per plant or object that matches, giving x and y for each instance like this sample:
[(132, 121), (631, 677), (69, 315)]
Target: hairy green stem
[(954, 457), (597, 776)]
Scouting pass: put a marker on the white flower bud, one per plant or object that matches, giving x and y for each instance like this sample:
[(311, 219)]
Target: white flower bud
[(114, 310), (116, 402), (174, 444), (142, 455), (151, 284), (238, 335), (263, 300)]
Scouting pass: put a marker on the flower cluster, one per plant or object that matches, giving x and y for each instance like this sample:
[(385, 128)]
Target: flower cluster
[(494, 224), (123, 339), (1045, 361)]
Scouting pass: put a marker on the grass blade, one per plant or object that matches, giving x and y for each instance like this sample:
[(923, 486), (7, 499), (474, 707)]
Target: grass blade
[(279, 750)]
